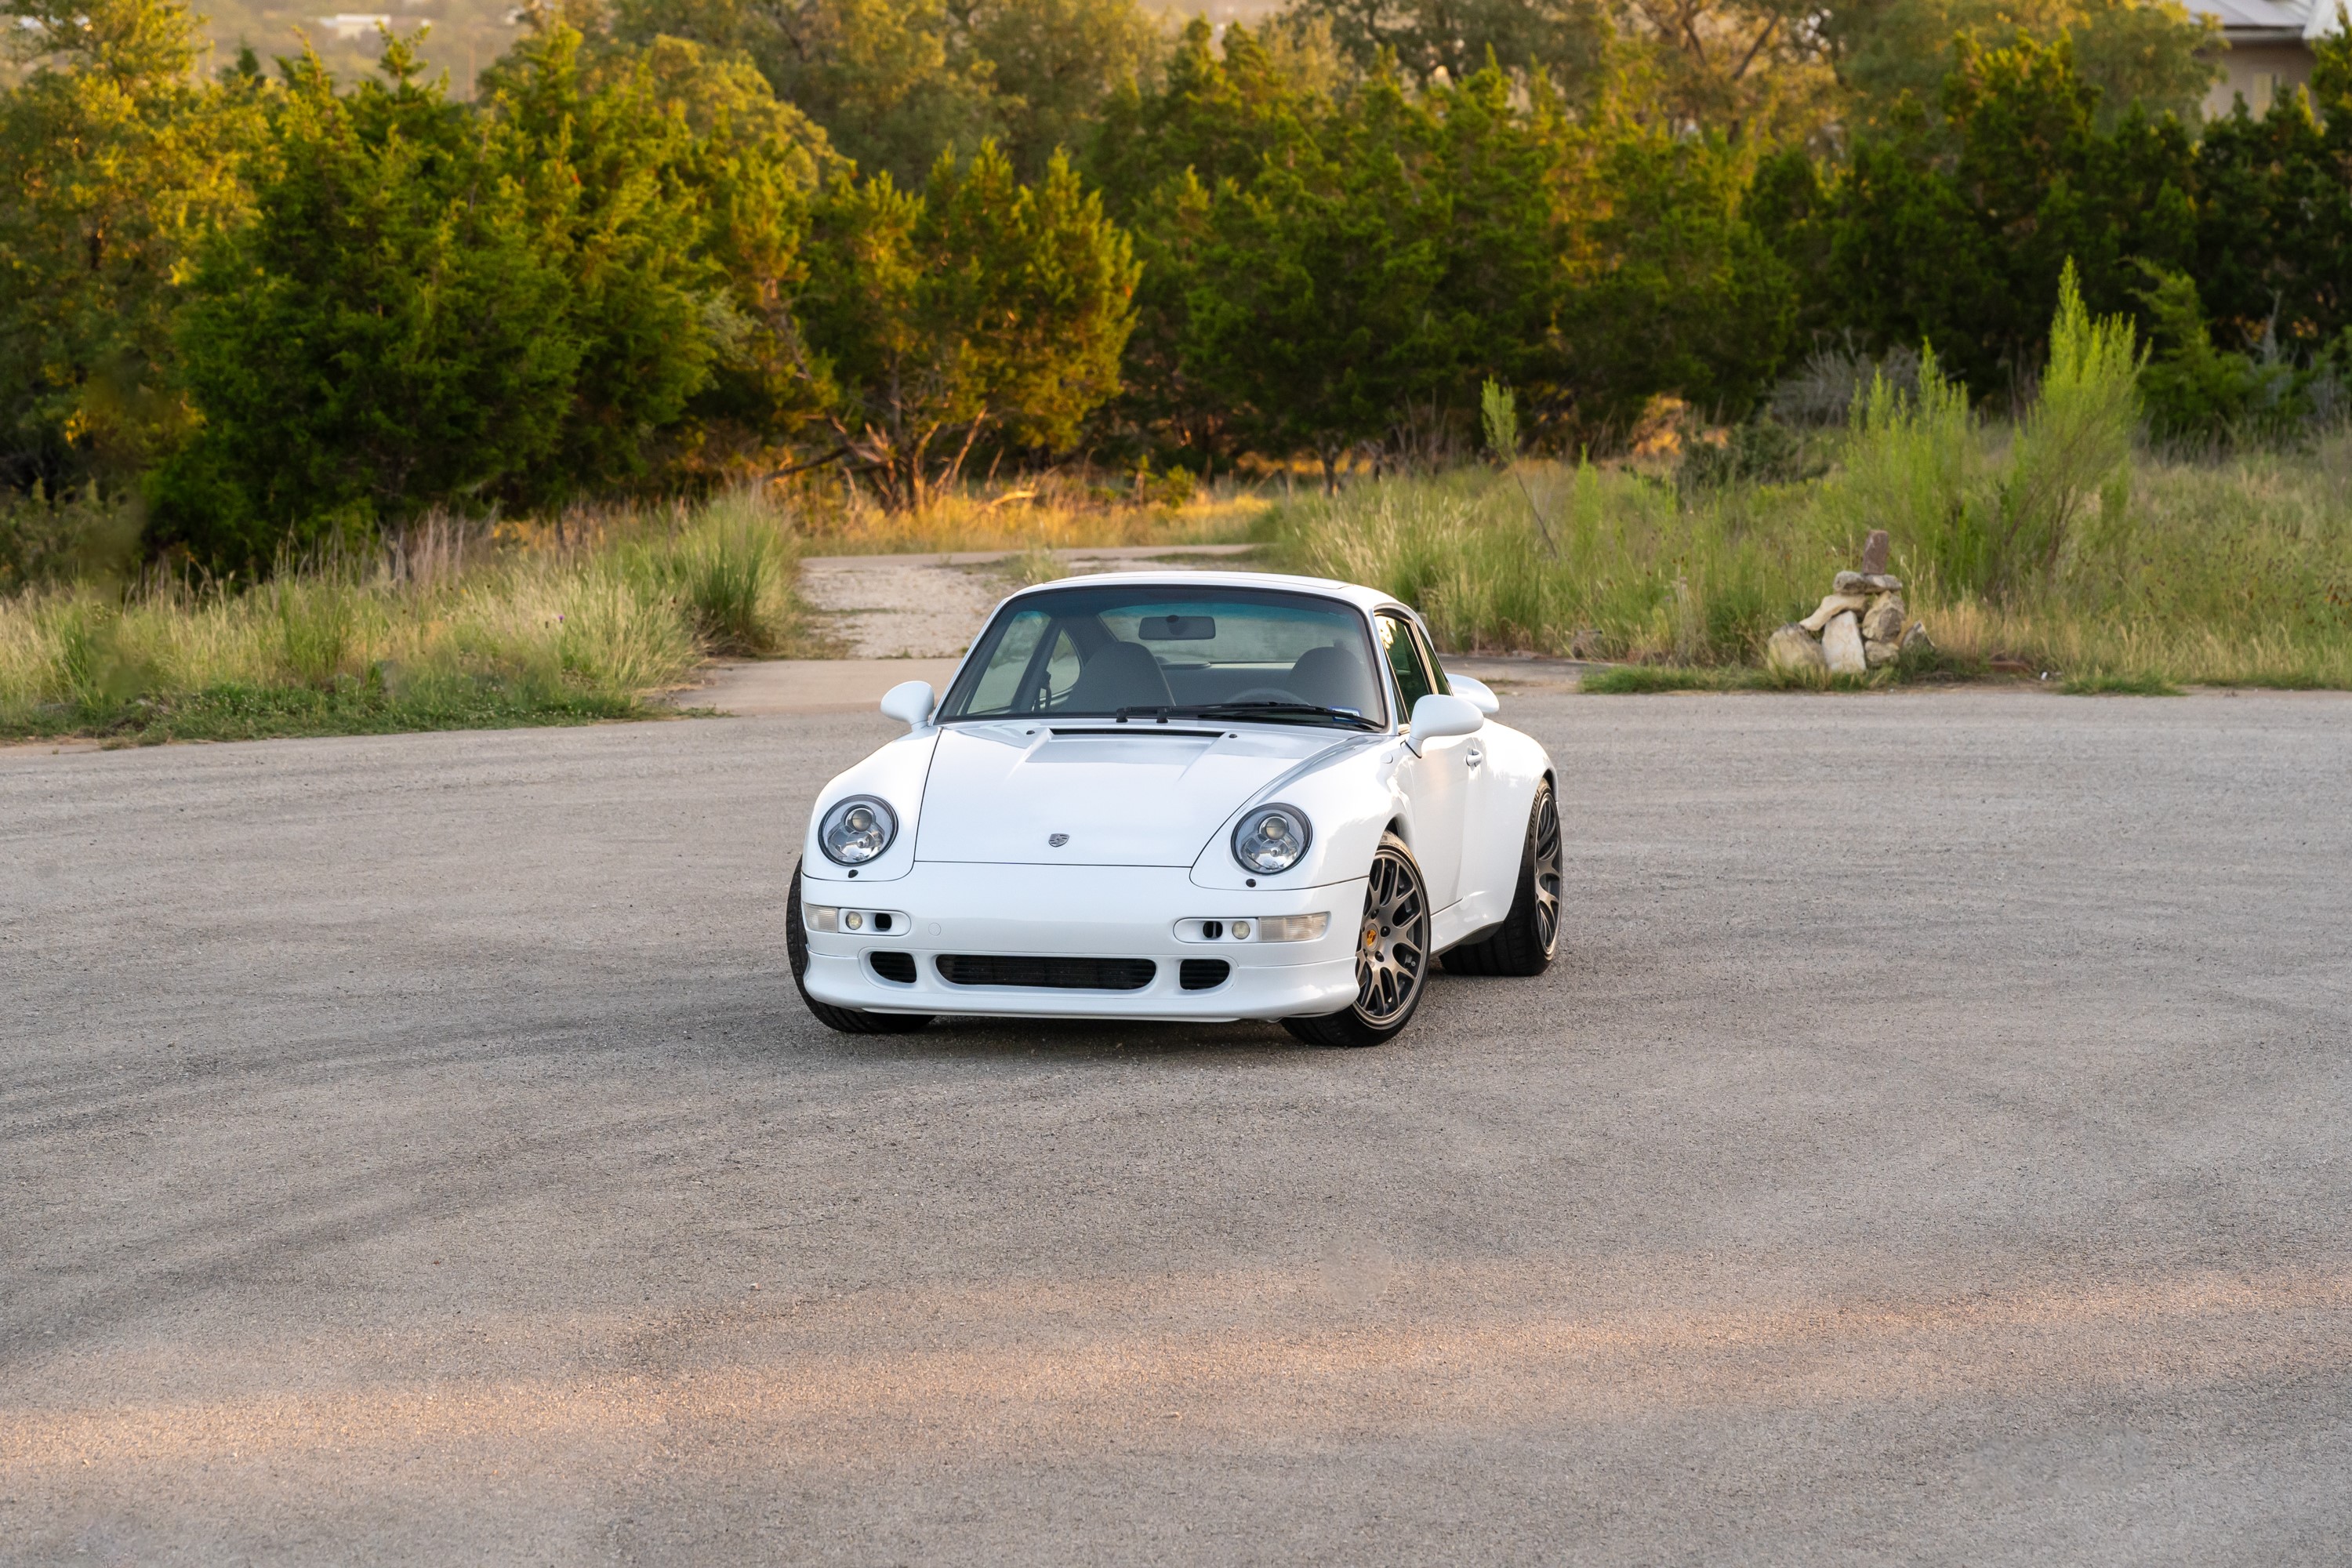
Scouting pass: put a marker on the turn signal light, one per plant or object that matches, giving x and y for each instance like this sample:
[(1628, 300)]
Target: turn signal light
[(1292, 928), (1264, 928), (832, 917)]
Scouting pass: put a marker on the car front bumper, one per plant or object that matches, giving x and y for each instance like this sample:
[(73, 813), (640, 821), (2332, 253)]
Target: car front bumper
[(1082, 912)]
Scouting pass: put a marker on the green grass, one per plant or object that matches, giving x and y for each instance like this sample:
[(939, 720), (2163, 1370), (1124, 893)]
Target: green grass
[(1639, 679), (442, 629), (2236, 571), (239, 713), (1642, 680), (2104, 683)]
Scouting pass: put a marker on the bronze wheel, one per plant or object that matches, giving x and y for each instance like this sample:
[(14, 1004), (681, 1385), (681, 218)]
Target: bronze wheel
[(1392, 955)]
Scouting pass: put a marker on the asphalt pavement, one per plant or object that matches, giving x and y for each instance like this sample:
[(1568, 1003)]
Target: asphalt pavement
[(1935, 1145)]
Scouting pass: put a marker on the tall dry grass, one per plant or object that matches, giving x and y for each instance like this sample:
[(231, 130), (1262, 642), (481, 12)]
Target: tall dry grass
[(1052, 513), (579, 618), (2230, 572)]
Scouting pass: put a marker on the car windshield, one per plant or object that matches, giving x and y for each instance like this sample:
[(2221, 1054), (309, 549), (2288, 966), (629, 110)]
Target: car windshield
[(1111, 652)]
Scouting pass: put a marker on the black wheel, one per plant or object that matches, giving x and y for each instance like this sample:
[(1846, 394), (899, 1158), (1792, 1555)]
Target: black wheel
[(1392, 956), (1524, 943), (848, 1020)]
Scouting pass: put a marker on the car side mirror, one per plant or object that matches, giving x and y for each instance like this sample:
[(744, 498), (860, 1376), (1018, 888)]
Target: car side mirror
[(1435, 717), (909, 702), (1481, 695)]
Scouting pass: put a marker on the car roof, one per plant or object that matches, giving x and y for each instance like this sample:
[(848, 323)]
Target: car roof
[(1363, 598)]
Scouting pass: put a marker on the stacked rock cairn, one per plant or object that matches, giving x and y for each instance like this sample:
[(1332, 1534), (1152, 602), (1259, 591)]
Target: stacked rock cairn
[(1859, 626)]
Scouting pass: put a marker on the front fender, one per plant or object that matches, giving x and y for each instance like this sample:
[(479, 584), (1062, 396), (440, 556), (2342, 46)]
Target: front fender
[(1350, 796), (894, 775)]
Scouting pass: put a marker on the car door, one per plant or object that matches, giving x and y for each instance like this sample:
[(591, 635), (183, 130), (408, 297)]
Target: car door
[(1436, 782), (1484, 877)]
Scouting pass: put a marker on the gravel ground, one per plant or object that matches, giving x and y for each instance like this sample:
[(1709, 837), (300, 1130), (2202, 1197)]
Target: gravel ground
[(1935, 1146)]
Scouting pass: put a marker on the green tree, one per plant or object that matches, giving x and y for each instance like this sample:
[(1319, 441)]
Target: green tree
[(1221, 112), (1052, 66), (2197, 395), (1313, 306), (1751, 72), (756, 164), (1894, 52), (981, 303), (1956, 233), (1217, 114), (112, 164), (1450, 40), (607, 164), (887, 78), (1681, 293), (386, 334), (2274, 221), (1319, 266)]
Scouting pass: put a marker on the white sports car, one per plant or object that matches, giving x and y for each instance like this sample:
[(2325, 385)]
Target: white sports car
[(1181, 795)]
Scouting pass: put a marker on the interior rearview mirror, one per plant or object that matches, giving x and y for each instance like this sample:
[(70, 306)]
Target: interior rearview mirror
[(910, 703), (1434, 717)]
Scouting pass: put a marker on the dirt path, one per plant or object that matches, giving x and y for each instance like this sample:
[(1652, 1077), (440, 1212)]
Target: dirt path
[(931, 606)]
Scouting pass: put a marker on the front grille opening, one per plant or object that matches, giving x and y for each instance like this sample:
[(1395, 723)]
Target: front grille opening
[(1202, 973), (896, 967), (1047, 974)]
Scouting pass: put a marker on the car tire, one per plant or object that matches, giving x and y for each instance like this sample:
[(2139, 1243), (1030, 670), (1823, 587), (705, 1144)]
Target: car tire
[(1530, 935), (848, 1020), (1392, 956)]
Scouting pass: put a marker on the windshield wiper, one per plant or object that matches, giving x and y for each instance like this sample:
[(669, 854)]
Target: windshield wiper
[(1269, 708)]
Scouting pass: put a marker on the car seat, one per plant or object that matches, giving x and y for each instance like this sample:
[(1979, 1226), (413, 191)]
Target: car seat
[(1120, 675), (1329, 678)]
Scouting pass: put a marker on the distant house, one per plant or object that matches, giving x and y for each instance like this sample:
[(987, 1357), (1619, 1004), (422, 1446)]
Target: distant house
[(347, 24), (2270, 48)]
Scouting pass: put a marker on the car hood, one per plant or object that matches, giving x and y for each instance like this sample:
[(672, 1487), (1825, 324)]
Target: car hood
[(1139, 795)]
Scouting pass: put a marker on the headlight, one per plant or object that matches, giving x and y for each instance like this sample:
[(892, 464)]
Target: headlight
[(1272, 838), (856, 830)]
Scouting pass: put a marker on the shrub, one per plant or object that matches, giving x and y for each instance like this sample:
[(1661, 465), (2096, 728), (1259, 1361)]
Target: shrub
[(2074, 442), (2200, 397)]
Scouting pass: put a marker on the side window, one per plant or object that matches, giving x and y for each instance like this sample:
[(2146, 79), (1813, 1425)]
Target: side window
[(999, 686), (1429, 656), (1404, 661), (1061, 672)]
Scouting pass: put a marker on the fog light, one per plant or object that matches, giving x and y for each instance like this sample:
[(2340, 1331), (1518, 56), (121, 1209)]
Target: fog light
[(1241, 930), (1294, 928), (818, 917), (854, 920)]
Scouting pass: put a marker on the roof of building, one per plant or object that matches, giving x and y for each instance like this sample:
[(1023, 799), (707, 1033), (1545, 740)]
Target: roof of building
[(2270, 20)]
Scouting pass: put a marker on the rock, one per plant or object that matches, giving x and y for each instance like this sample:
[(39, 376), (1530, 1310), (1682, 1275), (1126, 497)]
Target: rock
[(1849, 583), (1874, 552), (1880, 582), (1883, 622), (1836, 603), (1792, 648), (1841, 645), (1878, 655), (1915, 639)]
